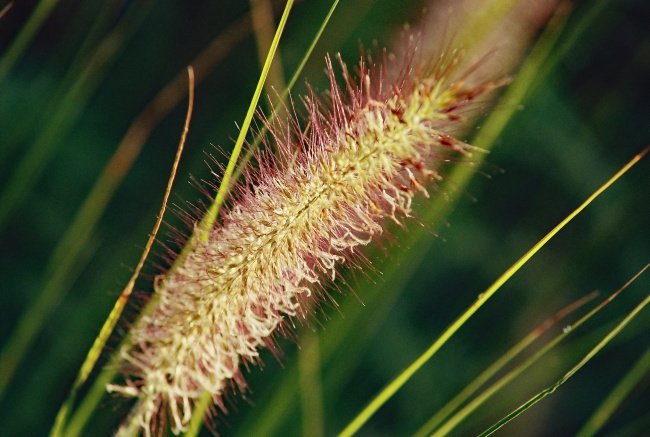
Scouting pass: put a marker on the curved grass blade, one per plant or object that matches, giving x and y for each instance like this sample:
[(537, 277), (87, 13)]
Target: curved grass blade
[(601, 344), (398, 382), (111, 321), (485, 395)]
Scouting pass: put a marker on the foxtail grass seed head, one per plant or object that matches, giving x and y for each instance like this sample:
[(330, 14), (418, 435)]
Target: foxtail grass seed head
[(368, 147)]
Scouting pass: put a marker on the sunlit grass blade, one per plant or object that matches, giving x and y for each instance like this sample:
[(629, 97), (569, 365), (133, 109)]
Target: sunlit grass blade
[(211, 214), (398, 382), (601, 344), (202, 63), (354, 332), (471, 388), (283, 97), (616, 397), (462, 414)]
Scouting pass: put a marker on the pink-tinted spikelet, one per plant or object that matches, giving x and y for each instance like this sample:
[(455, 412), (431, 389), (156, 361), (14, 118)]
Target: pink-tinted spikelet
[(366, 151)]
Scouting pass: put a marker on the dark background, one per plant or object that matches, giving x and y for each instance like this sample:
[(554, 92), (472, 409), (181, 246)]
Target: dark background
[(581, 124)]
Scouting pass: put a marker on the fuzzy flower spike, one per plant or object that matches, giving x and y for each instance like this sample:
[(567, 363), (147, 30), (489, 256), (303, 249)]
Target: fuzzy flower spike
[(367, 150)]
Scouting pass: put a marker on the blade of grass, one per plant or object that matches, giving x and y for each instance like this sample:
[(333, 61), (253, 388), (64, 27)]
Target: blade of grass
[(398, 382), (111, 321), (258, 138), (471, 388), (348, 332), (211, 215), (601, 344), (264, 31), (203, 63), (486, 394), (607, 408), (65, 255)]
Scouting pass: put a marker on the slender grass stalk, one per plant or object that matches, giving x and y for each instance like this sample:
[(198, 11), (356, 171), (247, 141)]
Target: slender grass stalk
[(111, 321), (481, 399), (396, 384), (442, 414), (616, 397), (108, 373), (601, 344), (211, 214)]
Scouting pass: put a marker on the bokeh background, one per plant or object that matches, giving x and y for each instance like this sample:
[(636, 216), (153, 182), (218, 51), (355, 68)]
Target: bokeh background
[(92, 69)]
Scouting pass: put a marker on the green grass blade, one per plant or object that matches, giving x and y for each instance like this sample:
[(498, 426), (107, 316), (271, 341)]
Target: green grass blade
[(510, 376), (398, 382), (211, 215), (471, 388), (601, 344), (617, 396)]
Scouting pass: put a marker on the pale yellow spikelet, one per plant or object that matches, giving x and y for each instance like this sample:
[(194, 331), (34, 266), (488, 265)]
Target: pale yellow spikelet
[(301, 215)]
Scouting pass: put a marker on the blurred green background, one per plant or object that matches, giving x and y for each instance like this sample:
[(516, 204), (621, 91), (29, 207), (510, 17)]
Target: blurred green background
[(95, 66)]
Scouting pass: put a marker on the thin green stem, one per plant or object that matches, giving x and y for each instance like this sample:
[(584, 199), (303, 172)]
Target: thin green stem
[(208, 221), (398, 382), (471, 388), (211, 215), (616, 396), (601, 344)]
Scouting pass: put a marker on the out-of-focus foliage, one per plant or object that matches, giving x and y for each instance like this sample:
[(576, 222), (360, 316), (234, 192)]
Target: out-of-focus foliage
[(583, 122)]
